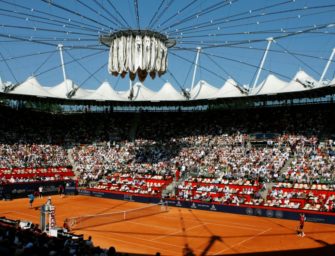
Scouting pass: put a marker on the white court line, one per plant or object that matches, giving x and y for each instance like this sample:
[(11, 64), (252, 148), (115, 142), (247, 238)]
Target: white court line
[(210, 220), (232, 226), (134, 243), (243, 241), (179, 231), (137, 238), (150, 225), (223, 225)]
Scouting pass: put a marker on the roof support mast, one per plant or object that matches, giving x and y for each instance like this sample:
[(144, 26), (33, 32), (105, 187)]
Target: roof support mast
[(131, 90), (60, 48), (327, 66), (270, 40), (130, 84), (195, 66)]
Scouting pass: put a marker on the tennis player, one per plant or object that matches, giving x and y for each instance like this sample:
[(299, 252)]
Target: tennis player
[(300, 230), (31, 200)]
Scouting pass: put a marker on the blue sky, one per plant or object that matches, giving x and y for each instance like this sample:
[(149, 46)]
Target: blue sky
[(227, 25)]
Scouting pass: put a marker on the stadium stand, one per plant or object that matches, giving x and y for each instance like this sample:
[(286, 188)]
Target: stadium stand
[(15, 240), (263, 156)]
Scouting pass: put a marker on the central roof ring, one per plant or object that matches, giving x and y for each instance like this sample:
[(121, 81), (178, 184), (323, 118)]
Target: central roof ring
[(108, 39), (137, 53)]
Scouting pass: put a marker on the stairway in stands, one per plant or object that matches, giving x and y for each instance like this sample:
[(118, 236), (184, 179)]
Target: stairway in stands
[(171, 188), (269, 185), (286, 165), (72, 162)]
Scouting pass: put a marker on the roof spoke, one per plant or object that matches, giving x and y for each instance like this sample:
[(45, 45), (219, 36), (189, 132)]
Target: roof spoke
[(227, 31), (48, 16), (221, 22), (75, 13)]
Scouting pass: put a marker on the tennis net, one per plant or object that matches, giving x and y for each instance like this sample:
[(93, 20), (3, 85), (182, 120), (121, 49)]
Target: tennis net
[(106, 218)]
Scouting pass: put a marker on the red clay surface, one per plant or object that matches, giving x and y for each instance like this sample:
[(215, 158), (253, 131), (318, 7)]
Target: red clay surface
[(169, 233)]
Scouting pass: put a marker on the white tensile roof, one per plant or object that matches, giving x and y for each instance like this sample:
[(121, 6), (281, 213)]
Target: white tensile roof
[(229, 89), (327, 83), (270, 85), (31, 87), (141, 93), (167, 93), (105, 92), (123, 94), (203, 90), (61, 90), (2, 85), (301, 81)]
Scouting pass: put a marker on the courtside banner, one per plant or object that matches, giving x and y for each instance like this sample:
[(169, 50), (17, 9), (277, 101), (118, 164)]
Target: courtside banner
[(18, 190), (262, 211)]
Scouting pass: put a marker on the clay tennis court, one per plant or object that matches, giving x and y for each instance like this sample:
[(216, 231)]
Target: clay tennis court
[(169, 232)]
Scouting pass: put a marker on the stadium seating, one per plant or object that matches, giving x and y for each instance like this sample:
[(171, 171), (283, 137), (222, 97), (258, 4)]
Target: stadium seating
[(15, 240), (136, 184), (35, 174), (226, 156)]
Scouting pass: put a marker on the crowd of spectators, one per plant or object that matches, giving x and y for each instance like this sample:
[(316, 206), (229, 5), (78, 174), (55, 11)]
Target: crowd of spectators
[(31, 241), (213, 192), (312, 162), (21, 175), (318, 197), (32, 155), (98, 162), (134, 153), (135, 183), (220, 157)]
